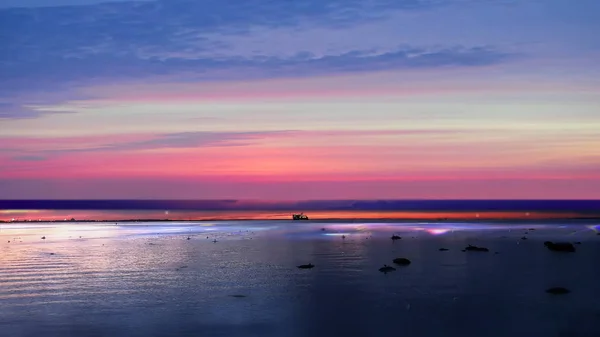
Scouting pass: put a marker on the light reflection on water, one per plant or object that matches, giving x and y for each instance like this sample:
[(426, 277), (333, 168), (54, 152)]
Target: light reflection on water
[(148, 279)]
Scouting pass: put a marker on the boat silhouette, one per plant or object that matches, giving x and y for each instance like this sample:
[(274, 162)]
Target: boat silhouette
[(300, 216)]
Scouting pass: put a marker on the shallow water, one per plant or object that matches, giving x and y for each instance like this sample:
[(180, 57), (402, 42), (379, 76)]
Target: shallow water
[(148, 279)]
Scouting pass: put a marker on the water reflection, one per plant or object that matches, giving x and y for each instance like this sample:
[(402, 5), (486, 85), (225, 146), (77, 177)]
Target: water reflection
[(147, 279)]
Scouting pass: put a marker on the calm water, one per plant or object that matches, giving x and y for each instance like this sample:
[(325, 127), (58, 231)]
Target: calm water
[(150, 280)]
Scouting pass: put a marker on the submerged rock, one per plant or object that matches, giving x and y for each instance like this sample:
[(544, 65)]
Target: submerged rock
[(566, 247), (557, 291), (396, 237), (386, 269), (472, 248), (524, 238), (238, 296), (402, 261), (443, 249), (306, 266)]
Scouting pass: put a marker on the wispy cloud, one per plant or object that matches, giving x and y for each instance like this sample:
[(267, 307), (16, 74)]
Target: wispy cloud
[(128, 39), (24, 111), (29, 158)]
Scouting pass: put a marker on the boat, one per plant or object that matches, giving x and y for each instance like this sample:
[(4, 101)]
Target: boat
[(300, 216)]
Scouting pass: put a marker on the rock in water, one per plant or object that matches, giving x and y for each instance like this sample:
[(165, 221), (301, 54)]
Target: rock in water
[(306, 266), (557, 291), (560, 246), (386, 269), (401, 261), (476, 249)]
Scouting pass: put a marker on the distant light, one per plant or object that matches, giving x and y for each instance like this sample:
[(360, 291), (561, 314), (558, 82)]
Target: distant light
[(437, 231)]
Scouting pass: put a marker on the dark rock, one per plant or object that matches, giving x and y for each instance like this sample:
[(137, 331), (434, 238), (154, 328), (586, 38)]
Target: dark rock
[(43, 238), (577, 242), (396, 237), (238, 296), (386, 269), (306, 266), (560, 246), (402, 261), (524, 238), (472, 248), (557, 291), (443, 249)]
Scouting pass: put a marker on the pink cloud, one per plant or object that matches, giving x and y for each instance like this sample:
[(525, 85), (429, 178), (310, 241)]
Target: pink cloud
[(136, 188)]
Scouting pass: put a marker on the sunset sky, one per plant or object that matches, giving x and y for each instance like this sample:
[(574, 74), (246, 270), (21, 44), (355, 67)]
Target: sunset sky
[(313, 99)]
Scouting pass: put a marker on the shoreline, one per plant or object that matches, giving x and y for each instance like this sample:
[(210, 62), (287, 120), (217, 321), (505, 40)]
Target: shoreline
[(408, 220)]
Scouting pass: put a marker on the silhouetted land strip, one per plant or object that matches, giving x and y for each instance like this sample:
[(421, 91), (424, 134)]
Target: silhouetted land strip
[(309, 205), (325, 220)]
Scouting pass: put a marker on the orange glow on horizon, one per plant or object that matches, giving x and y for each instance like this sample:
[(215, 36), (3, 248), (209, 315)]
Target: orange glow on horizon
[(36, 215)]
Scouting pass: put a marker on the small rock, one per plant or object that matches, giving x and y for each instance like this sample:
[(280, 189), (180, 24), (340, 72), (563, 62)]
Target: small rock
[(402, 261), (476, 249), (306, 266), (443, 249), (566, 247), (557, 291), (238, 296), (524, 238), (386, 269), (396, 237)]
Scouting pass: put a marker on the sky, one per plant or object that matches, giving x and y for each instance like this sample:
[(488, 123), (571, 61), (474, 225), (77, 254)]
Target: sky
[(289, 100)]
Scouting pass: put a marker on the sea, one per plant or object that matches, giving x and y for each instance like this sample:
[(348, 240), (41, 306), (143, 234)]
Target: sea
[(240, 278)]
